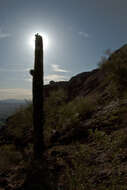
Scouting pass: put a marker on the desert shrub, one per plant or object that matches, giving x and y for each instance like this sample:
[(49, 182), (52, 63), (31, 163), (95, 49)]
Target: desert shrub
[(115, 70), (111, 143), (56, 98), (51, 82), (79, 176), (20, 122), (105, 153), (103, 61), (86, 106), (9, 157), (60, 114), (76, 110), (53, 103), (52, 106)]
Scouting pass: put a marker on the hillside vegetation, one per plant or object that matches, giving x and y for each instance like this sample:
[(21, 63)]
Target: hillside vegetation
[(85, 134)]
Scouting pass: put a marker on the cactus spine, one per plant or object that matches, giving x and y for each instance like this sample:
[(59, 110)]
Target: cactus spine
[(38, 113)]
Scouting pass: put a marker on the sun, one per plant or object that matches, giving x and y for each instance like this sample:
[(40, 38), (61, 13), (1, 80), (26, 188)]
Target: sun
[(45, 40)]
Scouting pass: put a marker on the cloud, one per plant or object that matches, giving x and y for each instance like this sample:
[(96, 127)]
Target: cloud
[(57, 68), (50, 77), (4, 35), (15, 93), (84, 34), (14, 70), (54, 78)]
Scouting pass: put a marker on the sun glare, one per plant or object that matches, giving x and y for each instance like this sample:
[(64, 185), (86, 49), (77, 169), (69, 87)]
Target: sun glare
[(45, 40)]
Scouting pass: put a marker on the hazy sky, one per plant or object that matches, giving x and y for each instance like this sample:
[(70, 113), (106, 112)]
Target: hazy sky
[(78, 32)]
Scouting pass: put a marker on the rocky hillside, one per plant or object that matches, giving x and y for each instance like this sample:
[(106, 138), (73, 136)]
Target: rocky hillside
[(85, 134)]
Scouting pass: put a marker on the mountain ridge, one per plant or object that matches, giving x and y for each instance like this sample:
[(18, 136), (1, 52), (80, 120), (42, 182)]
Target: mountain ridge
[(84, 134)]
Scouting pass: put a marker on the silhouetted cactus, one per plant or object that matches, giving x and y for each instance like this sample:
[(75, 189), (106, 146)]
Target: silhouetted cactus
[(38, 113)]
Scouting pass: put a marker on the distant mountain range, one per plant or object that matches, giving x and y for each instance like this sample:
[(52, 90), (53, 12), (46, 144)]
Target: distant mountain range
[(8, 107), (16, 101)]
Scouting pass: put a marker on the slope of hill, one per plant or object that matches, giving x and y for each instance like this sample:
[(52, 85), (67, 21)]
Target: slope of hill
[(84, 133)]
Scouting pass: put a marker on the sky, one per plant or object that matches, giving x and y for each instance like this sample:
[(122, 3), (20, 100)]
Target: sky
[(78, 32)]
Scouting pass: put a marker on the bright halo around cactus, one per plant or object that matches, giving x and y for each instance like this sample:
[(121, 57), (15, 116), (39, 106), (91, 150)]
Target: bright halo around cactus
[(45, 40)]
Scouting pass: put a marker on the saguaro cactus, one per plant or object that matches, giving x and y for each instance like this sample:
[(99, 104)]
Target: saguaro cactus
[(38, 113)]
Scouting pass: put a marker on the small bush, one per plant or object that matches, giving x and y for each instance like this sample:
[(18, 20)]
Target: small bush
[(9, 157), (56, 98), (75, 111), (115, 70), (99, 164), (60, 114), (20, 122)]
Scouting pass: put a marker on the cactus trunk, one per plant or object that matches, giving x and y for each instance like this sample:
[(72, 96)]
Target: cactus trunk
[(38, 113)]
